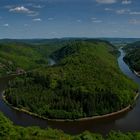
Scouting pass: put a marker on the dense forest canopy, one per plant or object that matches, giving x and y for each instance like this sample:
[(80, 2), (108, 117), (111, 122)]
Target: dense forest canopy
[(85, 82), (133, 55), (13, 55), (25, 54)]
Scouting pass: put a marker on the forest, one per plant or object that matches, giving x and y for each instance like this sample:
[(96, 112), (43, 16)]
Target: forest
[(132, 56), (85, 82), (25, 54)]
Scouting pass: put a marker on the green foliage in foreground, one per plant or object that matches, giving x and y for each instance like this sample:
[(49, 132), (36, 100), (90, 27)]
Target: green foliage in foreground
[(86, 82), (133, 55), (8, 131)]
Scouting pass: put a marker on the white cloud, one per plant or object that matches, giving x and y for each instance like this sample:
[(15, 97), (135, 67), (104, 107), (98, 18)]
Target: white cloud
[(79, 20), (93, 18), (6, 25), (35, 6), (97, 21), (8, 6), (123, 11), (37, 19), (50, 18), (108, 9), (134, 13), (106, 1), (33, 14), (26, 25), (134, 21), (54, 33), (127, 11), (38, 6), (126, 2), (21, 9), (113, 1)]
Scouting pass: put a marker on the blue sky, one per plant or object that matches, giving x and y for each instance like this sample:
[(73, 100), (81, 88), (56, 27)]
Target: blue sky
[(69, 18)]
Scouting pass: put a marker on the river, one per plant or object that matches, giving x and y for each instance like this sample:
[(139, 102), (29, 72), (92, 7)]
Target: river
[(125, 122)]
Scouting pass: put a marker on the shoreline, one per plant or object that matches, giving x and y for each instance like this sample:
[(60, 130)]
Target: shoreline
[(136, 73), (99, 117), (133, 70)]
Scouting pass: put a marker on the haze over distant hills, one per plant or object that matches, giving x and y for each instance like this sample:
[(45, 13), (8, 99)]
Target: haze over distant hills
[(45, 40)]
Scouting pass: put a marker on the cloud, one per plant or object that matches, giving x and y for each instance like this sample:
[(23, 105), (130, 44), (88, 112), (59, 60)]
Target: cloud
[(35, 6), (123, 11), (134, 21), (37, 19), (113, 1), (21, 9), (33, 14), (134, 13), (79, 20), (24, 10), (6, 25), (38, 6), (97, 21), (50, 18), (9, 6), (93, 18), (26, 25), (127, 11), (54, 33), (126, 2), (106, 1), (108, 9)]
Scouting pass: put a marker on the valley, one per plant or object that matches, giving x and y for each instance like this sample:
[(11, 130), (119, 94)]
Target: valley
[(68, 61)]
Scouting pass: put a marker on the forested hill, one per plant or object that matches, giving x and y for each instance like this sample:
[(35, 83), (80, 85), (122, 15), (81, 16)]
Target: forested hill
[(21, 55), (132, 56), (24, 55), (131, 46), (74, 47), (86, 82)]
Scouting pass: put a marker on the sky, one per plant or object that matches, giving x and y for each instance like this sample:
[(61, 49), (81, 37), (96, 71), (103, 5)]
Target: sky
[(69, 18)]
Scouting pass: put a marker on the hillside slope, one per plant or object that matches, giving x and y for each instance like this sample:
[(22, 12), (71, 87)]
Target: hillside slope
[(85, 82), (13, 55), (132, 56), (27, 56)]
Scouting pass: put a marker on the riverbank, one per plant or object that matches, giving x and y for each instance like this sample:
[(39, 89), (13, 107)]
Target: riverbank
[(137, 73), (134, 71), (95, 118)]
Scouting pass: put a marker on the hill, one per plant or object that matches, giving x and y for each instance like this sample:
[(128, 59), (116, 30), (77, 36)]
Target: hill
[(132, 56), (85, 82), (25, 55)]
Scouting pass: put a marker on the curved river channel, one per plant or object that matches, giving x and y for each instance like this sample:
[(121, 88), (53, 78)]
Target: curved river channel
[(125, 122)]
